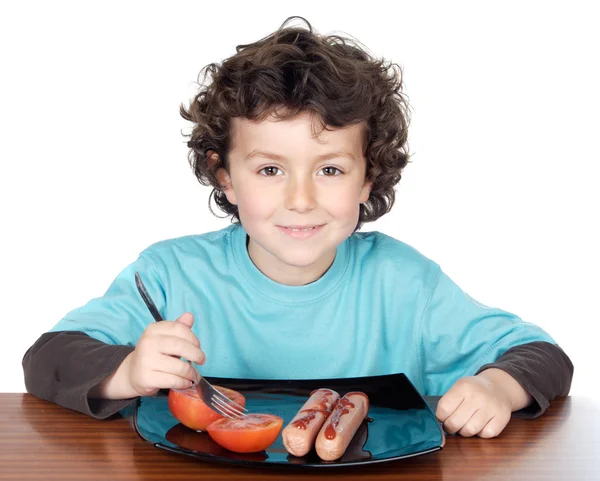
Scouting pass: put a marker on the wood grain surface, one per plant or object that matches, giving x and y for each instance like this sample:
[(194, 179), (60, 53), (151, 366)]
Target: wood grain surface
[(39, 440)]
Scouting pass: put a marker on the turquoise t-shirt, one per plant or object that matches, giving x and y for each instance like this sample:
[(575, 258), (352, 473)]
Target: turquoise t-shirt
[(381, 308)]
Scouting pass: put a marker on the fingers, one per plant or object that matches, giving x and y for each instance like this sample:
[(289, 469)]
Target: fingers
[(484, 424), (472, 407), (163, 380), (160, 336), (459, 418), (156, 362), (170, 328), (471, 418), (449, 403), (495, 426), (176, 367), (187, 319), (474, 424), (178, 347), (151, 370)]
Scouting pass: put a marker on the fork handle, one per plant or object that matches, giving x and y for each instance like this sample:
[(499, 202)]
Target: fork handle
[(147, 299)]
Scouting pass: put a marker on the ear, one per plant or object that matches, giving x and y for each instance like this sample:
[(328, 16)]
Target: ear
[(223, 177), (226, 185), (365, 191)]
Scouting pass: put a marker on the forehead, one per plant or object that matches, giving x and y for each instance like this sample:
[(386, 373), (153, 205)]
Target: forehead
[(302, 133)]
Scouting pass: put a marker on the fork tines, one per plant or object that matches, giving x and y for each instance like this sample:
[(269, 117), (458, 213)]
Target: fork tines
[(228, 408)]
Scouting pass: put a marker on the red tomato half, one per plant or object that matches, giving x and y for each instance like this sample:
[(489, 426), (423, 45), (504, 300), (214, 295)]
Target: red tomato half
[(251, 434), (191, 411)]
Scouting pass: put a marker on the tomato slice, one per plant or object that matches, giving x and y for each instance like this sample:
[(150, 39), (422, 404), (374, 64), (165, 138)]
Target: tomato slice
[(191, 411), (251, 434)]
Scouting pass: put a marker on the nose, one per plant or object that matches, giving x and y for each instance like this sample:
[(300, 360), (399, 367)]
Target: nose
[(300, 195)]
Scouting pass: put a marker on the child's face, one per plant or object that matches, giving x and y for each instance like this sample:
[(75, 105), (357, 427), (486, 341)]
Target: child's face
[(283, 179)]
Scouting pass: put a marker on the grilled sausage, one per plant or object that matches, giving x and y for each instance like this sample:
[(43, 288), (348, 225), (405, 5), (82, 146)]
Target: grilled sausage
[(299, 435), (341, 425)]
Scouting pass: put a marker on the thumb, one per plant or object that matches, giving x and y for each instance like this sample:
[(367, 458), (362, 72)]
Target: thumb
[(186, 318)]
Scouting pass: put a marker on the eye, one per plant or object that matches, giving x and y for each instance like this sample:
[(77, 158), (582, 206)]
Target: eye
[(270, 171), (330, 171)]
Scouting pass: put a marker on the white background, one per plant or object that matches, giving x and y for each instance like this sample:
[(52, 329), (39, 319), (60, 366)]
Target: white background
[(502, 191)]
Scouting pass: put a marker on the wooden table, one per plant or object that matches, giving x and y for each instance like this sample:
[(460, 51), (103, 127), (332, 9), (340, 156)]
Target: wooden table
[(39, 440)]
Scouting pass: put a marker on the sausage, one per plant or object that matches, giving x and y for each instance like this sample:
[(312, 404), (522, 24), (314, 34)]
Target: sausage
[(355, 450), (299, 435), (339, 429)]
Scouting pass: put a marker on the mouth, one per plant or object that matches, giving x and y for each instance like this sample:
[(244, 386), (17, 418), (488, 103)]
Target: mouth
[(299, 228), (300, 231)]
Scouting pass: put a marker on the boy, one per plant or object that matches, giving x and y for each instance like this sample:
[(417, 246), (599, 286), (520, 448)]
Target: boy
[(303, 138)]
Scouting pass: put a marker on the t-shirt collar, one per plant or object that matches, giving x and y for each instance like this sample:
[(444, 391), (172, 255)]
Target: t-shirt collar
[(282, 293)]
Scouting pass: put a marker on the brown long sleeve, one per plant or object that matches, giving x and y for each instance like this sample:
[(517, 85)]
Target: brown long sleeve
[(542, 368), (62, 367)]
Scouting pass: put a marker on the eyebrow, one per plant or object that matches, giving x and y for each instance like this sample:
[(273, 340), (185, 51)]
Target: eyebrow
[(320, 158)]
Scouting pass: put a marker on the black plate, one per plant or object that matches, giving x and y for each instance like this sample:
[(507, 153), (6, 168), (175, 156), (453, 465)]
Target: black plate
[(402, 424)]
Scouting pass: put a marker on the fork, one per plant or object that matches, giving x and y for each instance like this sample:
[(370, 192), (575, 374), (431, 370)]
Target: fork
[(211, 397)]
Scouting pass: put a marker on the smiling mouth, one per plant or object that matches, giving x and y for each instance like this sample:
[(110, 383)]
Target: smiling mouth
[(301, 229)]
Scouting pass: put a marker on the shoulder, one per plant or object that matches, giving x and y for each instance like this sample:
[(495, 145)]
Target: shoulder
[(207, 245), (375, 250)]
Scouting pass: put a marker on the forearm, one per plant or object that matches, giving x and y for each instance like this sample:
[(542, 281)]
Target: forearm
[(518, 396), (542, 369), (65, 367), (116, 385)]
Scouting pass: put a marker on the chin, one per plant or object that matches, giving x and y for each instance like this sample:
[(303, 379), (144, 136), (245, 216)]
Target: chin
[(300, 261)]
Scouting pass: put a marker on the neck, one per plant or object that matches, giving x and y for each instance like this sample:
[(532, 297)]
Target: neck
[(286, 274)]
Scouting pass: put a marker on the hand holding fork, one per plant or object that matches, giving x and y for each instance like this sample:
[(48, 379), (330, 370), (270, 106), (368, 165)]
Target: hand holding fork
[(158, 361)]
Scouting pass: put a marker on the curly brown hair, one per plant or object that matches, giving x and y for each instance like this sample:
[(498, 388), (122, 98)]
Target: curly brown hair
[(296, 70)]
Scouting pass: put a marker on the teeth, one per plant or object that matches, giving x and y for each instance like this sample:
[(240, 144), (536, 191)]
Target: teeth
[(301, 230)]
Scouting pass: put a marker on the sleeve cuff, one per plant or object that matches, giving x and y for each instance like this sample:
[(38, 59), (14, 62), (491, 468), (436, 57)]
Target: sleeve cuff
[(105, 408)]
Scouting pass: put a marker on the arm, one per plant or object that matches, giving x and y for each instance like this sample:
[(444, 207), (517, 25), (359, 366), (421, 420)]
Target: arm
[(106, 353), (98, 379), (541, 369), (65, 367), (486, 362), (482, 404)]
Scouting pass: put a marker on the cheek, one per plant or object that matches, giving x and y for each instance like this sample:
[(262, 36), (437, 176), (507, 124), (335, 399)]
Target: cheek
[(343, 204), (252, 205)]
